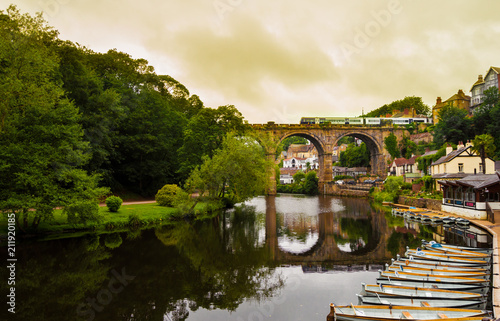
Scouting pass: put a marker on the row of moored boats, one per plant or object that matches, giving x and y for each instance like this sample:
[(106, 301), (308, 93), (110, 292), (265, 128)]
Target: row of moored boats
[(429, 216), (433, 282)]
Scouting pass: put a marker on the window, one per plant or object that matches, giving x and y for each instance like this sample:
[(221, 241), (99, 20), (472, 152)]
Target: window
[(449, 192), (444, 168), (480, 168), (461, 168), (458, 193)]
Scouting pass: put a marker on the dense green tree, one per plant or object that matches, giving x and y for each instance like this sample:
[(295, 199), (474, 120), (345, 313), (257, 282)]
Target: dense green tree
[(204, 134), (487, 117), (311, 183), (400, 105), (355, 156), (292, 140), (391, 145), (407, 147), (454, 126), (41, 137), (236, 171), (484, 146)]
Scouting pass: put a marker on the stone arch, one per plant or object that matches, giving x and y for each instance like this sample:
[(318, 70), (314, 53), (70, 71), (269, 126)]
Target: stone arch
[(324, 171), (374, 145)]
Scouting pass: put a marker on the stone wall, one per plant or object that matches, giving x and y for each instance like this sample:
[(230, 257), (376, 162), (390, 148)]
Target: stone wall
[(337, 191), (421, 202)]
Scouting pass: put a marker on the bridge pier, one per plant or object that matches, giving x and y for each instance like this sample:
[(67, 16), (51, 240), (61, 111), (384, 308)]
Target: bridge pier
[(271, 186)]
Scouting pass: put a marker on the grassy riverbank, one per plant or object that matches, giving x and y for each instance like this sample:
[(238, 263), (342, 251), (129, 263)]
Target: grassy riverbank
[(128, 216)]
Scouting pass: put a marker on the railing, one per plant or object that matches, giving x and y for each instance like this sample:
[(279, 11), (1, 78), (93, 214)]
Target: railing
[(490, 215)]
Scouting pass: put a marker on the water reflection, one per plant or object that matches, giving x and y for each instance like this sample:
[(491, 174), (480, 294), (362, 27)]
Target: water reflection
[(284, 257)]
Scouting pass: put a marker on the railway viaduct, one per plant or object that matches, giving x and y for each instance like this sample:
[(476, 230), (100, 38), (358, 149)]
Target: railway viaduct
[(325, 137)]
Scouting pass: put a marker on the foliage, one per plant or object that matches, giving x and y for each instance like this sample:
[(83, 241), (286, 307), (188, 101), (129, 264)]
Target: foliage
[(454, 126), (238, 170), (43, 150), (407, 147), (299, 177), (311, 183), (113, 203), (166, 195), (401, 105), (355, 156), (339, 177), (484, 146), (83, 212), (391, 145), (285, 143)]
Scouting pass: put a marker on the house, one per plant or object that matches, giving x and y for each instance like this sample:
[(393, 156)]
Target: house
[(459, 100), (492, 79), (472, 195), (349, 171), (339, 149), (286, 175), (460, 163), (405, 167), (301, 163), (302, 151)]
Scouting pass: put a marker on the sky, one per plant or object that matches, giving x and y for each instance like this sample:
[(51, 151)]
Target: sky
[(282, 60)]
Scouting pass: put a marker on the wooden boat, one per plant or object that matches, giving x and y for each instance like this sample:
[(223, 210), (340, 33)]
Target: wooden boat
[(482, 289), (395, 275), (436, 247), (474, 263), (415, 292), (448, 257), (437, 272), (383, 313), (422, 302), (428, 265), (458, 247)]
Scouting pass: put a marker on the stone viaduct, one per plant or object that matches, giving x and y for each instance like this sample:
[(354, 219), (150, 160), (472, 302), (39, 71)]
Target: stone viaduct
[(325, 137)]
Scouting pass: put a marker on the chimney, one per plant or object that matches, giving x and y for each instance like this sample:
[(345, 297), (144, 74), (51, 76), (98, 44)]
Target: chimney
[(468, 143), (449, 149), (480, 78), (438, 100), (460, 145), (461, 92)]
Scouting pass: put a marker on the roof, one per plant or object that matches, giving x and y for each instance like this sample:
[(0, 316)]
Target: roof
[(403, 161), (480, 81), (432, 152), (450, 156), (478, 181)]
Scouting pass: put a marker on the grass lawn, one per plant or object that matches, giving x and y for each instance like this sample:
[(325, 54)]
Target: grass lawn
[(149, 214)]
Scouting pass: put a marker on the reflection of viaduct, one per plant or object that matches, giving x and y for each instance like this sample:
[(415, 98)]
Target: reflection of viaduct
[(326, 249), (325, 137)]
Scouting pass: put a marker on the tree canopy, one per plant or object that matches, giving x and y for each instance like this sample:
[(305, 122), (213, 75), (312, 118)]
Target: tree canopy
[(400, 105)]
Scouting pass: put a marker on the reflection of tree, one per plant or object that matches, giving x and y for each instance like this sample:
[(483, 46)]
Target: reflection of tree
[(54, 277), (359, 234), (398, 241)]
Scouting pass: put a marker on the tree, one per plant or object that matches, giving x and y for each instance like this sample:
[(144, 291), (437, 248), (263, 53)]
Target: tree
[(400, 105), (42, 143), (236, 172), (355, 156), (391, 145), (484, 146), (311, 183), (454, 126)]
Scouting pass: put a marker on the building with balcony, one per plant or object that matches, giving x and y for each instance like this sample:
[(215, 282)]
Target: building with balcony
[(492, 79)]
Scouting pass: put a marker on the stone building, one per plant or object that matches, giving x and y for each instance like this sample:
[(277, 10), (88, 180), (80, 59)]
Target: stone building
[(459, 100)]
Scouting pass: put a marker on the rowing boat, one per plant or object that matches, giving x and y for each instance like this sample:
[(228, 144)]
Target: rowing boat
[(437, 272), (431, 265), (382, 312), (395, 275), (415, 292), (448, 257), (421, 302), (457, 247), (482, 289), (428, 260)]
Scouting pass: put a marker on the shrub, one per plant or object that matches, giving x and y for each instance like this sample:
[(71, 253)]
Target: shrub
[(83, 212), (113, 203), (134, 220), (166, 195)]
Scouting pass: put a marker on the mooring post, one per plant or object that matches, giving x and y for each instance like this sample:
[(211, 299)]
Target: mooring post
[(331, 315)]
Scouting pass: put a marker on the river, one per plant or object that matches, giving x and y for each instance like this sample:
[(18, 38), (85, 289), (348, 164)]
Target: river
[(272, 258)]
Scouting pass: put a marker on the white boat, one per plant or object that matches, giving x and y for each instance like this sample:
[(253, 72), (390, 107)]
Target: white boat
[(415, 292), (422, 302), (382, 312), (482, 289), (429, 265), (395, 275), (457, 247), (480, 264), (437, 272), (439, 248), (448, 257)]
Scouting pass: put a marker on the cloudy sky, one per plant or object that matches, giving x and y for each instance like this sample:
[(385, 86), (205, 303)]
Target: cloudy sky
[(280, 60)]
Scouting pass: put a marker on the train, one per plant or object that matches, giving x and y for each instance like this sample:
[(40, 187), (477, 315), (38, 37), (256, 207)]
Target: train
[(365, 120)]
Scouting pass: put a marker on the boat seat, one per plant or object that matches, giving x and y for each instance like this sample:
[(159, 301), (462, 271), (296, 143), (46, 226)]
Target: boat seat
[(425, 304), (407, 315), (442, 316)]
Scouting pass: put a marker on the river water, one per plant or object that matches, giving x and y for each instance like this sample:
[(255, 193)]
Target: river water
[(272, 258)]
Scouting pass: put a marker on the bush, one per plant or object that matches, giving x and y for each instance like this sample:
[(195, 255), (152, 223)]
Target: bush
[(166, 195), (83, 212), (113, 203)]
